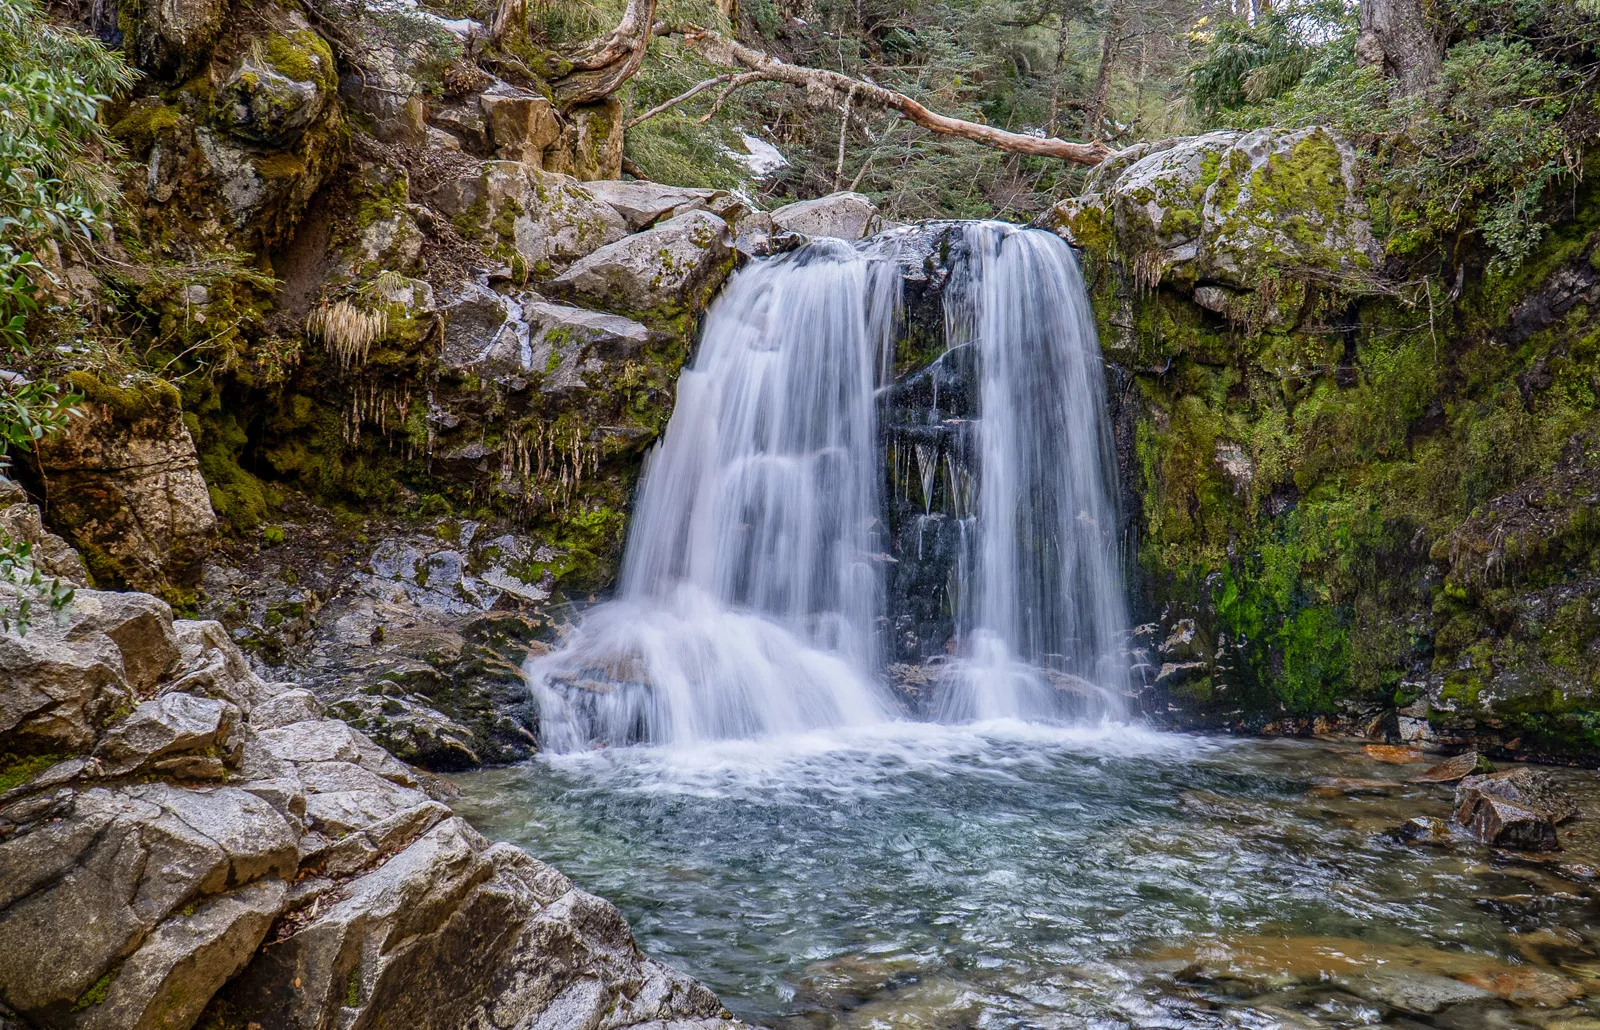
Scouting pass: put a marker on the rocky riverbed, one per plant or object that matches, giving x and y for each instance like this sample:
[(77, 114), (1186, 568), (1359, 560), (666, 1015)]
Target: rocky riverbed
[(921, 876)]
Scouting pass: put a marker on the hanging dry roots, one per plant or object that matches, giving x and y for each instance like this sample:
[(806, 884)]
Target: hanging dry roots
[(346, 331)]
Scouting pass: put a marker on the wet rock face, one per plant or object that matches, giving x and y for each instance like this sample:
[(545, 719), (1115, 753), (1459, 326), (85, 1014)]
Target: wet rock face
[(926, 417), (183, 843)]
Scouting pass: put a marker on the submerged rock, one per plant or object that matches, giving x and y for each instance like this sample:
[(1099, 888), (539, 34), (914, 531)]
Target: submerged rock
[(1426, 993)]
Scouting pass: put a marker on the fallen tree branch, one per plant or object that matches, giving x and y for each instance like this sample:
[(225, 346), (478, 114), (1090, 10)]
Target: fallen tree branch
[(825, 86), (722, 98), (692, 91)]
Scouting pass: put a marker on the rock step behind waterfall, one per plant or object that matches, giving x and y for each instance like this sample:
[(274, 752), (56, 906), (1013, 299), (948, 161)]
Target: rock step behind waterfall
[(183, 843)]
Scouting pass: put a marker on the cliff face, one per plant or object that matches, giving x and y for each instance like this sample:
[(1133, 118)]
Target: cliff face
[(411, 316), (1348, 496), (372, 274)]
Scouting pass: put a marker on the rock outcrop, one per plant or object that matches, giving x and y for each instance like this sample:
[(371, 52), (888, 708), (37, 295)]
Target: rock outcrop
[(183, 843), (661, 273), (1226, 213), (124, 484), (1304, 445), (845, 216)]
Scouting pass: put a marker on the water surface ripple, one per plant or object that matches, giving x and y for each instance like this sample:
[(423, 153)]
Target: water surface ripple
[(1013, 875)]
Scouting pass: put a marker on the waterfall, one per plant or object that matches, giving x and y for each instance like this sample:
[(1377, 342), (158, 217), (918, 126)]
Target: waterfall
[(1043, 629), (752, 598), (748, 600)]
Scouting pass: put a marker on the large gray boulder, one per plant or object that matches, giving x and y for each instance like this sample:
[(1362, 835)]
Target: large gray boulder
[(644, 203), (657, 274), (125, 487), (846, 216), (573, 346)]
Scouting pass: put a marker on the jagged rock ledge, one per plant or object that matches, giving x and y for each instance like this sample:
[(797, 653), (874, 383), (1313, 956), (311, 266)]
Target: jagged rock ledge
[(185, 844)]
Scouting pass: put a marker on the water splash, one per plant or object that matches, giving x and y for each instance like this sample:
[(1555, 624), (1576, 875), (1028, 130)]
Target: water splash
[(1043, 634), (749, 599)]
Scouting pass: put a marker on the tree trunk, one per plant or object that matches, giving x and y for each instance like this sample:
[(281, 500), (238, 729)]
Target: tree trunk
[(1110, 45), (1062, 38), (1396, 37), (510, 23), (602, 65)]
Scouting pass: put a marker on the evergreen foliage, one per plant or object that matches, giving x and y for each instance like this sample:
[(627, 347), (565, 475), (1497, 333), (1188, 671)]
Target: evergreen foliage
[(1479, 157)]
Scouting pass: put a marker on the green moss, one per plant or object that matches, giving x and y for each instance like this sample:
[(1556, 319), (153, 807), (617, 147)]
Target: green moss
[(302, 55), (143, 399), (1354, 556), (15, 771), (97, 991), (145, 122)]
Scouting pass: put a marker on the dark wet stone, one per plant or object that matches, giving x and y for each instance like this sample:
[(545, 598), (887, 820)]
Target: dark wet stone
[(1506, 824), (1525, 786)]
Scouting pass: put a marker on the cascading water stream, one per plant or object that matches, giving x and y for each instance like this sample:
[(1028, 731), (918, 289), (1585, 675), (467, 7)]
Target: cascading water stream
[(751, 600), (748, 599), (1042, 632)]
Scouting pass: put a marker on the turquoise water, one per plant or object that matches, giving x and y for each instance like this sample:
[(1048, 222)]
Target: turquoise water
[(1008, 875)]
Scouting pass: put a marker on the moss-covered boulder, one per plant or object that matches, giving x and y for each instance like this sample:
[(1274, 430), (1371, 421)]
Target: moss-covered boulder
[(281, 86), (542, 221), (1225, 213)]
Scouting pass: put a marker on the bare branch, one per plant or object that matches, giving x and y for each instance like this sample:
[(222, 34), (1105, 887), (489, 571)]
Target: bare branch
[(733, 84), (692, 91)]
